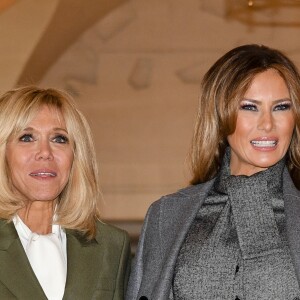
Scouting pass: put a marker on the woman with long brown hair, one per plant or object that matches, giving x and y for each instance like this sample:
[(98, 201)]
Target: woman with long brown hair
[(234, 233)]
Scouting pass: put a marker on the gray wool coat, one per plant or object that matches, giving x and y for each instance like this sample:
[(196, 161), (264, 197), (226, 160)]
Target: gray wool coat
[(165, 227)]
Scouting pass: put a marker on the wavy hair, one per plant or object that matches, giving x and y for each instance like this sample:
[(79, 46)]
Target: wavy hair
[(78, 203), (223, 86)]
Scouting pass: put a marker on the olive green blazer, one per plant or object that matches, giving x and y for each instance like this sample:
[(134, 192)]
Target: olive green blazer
[(97, 269)]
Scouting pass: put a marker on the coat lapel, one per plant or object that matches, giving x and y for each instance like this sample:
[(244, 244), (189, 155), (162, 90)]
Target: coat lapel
[(15, 270), (176, 225), (89, 268), (292, 210)]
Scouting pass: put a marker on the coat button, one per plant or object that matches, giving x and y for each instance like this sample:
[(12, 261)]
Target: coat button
[(143, 298), (237, 298), (237, 269)]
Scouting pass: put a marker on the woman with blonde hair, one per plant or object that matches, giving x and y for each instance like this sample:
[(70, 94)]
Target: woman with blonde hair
[(234, 233), (52, 242)]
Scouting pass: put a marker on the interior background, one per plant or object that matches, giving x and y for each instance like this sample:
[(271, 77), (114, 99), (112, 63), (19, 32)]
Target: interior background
[(134, 68)]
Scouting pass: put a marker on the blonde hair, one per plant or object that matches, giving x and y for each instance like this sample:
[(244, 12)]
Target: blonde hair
[(78, 203), (223, 86)]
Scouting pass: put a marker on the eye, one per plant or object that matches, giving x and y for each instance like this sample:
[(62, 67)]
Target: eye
[(61, 139), (248, 106), (26, 138), (283, 106)]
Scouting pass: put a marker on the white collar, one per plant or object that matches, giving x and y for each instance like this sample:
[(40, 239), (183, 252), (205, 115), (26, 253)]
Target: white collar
[(25, 232)]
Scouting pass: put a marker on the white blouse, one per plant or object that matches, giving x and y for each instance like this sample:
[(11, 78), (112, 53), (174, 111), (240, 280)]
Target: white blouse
[(47, 255)]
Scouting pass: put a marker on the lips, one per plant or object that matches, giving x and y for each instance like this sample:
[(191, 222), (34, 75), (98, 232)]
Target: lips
[(43, 173)]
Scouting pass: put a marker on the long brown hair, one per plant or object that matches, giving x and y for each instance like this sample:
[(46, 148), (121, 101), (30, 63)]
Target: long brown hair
[(223, 87)]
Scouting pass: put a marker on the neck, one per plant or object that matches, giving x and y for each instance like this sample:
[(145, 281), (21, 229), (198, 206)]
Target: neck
[(38, 216)]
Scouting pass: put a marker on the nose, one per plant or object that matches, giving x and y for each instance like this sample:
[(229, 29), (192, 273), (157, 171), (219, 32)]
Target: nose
[(266, 121), (44, 151)]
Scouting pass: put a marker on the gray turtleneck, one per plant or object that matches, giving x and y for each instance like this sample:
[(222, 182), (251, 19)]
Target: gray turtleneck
[(236, 248)]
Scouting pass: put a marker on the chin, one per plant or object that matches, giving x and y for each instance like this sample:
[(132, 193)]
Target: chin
[(267, 160), (266, 164), (43, 198)]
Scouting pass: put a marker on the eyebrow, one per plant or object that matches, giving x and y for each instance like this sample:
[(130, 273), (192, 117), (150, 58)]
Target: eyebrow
[(274, 101), (55, 129)]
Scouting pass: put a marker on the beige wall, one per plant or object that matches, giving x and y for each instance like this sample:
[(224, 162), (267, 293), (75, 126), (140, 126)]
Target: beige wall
[(22, 25), (135, 73)]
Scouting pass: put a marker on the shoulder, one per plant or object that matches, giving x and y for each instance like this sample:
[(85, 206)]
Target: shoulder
[(172, 208), (183, 195), (111, 234), (190, 191)]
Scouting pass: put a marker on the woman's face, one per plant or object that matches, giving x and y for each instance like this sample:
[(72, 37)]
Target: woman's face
[(264, 127), (40, 157)]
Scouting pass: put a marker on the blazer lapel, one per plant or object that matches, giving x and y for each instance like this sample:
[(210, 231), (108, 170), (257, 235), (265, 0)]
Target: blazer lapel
[(292, 210), (15, 270), (85, 264), (178, 222)]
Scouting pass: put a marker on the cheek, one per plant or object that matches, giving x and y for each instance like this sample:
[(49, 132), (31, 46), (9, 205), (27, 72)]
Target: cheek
[(244, 126), (236, 138), (291, 125), (17, 175), (288, 127), (239, 140), (66, 163), (15, 162)]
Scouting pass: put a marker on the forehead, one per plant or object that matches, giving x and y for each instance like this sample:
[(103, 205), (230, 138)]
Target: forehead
[(269, 73), (47, 116), (268, 84)]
